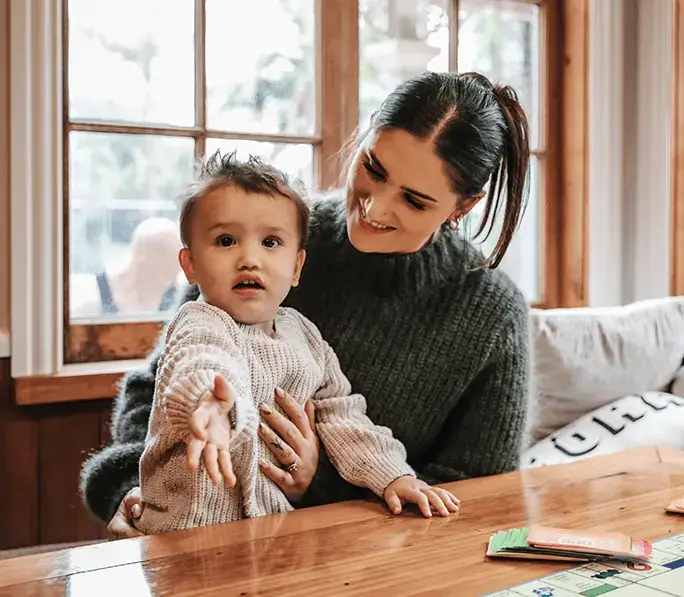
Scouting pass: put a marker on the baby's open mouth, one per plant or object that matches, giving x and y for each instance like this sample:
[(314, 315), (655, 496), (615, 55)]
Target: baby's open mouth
[(248, 284)]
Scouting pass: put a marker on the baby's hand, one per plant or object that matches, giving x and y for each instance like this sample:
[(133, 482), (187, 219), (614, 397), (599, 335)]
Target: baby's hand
[(414, 491), (212, 431)]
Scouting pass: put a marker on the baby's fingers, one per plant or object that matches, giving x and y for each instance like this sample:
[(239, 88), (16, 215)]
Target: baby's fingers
[(198, 423), (211, 463), (452, 503), (226, 467), (393, 502), (195, 447), (436, 502), (420, 499)]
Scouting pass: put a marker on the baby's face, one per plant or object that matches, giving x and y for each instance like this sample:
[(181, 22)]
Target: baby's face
[(244, 252)]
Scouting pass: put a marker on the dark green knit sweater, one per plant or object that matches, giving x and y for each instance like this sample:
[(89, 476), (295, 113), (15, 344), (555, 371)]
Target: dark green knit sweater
[(439, 351)]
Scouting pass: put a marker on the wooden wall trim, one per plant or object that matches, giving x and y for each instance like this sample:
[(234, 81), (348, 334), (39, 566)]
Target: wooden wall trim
[(575, 155), (677, 177), (73, 383)]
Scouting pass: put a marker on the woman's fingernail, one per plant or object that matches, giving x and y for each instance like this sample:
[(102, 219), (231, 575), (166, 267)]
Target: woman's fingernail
[(265, 409), (136, 510), (262, 428), (263, 463), (280, 392)]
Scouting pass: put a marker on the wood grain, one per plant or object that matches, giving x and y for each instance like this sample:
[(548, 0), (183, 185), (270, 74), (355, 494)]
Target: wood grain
[(575, 155), (356, 548), (73, 383), (19, 480)]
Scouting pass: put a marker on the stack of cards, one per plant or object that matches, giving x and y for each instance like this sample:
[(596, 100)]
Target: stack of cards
[(548, 543), (676, 506)]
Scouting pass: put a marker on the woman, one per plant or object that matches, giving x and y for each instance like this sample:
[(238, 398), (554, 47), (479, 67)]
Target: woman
[(425, 328)]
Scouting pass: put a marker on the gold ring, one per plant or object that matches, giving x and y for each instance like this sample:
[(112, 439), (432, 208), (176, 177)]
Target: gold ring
[(291, 468)]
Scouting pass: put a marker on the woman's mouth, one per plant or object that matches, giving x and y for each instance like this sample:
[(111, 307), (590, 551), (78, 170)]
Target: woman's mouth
[(368, 223)]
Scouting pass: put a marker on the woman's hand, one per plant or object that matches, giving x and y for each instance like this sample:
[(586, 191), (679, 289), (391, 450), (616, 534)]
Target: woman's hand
[(294, 443), (121, 526)]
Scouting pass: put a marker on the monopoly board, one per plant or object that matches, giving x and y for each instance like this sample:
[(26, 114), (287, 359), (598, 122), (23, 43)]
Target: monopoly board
[(662, 575)]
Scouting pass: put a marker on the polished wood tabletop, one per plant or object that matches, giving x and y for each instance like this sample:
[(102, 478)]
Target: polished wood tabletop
[(357, 548)]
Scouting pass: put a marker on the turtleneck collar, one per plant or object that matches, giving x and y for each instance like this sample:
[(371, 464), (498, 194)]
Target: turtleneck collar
[(444, 261)]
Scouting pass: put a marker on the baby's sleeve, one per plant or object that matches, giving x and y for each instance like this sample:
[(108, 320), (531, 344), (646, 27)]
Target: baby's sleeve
[(202, 343), (364, 454)]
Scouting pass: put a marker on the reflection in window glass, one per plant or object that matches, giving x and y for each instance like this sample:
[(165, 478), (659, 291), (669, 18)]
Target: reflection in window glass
[(128, 64), (260, 66), (123, 231), (295, 159), (398, 39), (500, 40)]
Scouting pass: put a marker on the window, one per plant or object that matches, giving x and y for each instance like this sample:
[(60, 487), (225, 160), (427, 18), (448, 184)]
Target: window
[(148, 87)]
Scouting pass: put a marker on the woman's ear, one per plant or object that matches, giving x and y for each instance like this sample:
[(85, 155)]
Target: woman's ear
[(465, 205)]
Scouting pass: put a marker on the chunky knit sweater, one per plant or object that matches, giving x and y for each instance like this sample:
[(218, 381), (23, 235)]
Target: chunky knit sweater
[(438, 347), (203, 341)]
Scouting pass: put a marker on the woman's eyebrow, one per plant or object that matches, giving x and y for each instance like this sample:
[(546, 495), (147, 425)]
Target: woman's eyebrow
[(377, 164)]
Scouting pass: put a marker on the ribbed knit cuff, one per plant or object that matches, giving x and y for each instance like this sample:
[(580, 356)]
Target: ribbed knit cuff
[(380, 471), (180, 402)]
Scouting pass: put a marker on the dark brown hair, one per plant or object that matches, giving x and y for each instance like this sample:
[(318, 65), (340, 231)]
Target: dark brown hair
[(251, 175), (479, 130)]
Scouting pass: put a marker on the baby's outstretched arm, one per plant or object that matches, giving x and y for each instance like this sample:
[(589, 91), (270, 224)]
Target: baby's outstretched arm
[(205, 389)]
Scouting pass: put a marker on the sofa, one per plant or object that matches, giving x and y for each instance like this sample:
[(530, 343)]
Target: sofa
[(605, 380)]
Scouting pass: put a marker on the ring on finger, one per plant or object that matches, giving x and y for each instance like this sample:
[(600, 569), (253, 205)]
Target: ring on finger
[(292, 467)]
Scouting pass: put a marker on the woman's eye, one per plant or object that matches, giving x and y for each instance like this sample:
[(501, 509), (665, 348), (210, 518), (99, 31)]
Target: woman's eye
[(372, 171), (413, 203), (271, 242), (225, 241)]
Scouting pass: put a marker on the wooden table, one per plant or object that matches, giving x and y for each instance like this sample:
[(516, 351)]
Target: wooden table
[(357, 548)]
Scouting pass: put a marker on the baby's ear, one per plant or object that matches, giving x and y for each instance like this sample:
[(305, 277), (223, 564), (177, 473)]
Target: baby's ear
[(301, 258), (185, 260)]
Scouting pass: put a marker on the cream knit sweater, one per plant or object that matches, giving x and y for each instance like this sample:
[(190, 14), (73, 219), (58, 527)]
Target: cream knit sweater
[(203, 341)]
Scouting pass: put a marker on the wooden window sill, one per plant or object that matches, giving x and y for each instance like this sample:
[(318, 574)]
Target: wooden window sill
[(73, 383)]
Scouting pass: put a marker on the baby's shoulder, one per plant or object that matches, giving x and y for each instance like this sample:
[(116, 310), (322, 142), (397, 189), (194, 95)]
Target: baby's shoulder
[(296, 325), (200, 317)]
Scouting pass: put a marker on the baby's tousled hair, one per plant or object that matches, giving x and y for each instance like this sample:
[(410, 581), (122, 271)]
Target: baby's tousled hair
[(252, 175)]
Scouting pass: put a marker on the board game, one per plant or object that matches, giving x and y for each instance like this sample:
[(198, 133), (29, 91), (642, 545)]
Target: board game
[(662, 575)]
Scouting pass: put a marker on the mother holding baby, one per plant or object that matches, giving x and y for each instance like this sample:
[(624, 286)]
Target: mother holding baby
[(425, 327)]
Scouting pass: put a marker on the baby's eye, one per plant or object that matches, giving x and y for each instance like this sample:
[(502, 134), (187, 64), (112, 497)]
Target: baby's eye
[(271, 242), (225, 241)]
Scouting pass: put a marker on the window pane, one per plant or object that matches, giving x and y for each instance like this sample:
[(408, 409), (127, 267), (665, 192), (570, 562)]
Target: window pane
[(123, 228), (500, 39), (398, 39), (295, 159), (132, 61), (260, 79), (523, 259)]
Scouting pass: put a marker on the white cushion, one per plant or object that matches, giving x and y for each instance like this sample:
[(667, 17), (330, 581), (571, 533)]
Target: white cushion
[(585, 358), (648, 419)]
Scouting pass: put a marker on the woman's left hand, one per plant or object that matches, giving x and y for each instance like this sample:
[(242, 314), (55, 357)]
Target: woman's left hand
[(294, 443)]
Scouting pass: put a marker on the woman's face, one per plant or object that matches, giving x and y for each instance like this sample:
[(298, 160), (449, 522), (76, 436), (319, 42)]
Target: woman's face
[(398, 194)]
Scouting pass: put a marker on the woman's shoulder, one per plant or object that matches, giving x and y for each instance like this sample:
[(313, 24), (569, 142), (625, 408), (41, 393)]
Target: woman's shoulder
[(328, 217), (494, 296)]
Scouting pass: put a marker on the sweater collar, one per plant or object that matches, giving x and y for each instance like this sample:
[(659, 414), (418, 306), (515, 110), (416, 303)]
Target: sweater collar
[(442, 262)]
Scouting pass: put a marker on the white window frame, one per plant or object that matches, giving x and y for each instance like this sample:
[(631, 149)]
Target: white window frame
[(36, 187)]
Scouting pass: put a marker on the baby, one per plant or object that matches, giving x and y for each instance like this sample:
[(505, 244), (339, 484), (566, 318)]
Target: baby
[(244, 229)]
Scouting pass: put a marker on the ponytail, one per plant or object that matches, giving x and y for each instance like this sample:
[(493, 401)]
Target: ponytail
[(512, 171)]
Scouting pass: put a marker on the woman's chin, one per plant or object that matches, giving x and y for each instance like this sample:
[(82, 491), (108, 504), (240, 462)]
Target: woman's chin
[(366, 241)]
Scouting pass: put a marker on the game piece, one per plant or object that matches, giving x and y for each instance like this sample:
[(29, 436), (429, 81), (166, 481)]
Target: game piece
[(546, 543), (661, 576), (676, 506)]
